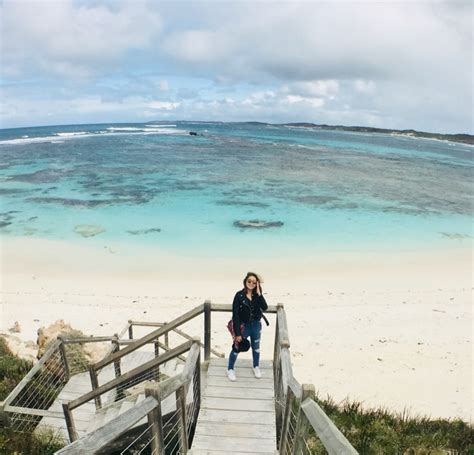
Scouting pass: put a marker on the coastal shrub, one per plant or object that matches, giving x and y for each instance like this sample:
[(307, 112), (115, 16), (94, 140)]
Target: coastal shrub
[(12, 369), (45, 443), (379, 431)]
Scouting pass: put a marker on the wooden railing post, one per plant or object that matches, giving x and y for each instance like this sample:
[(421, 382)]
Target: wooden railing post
[(130, 330), (62, 350), (285, 420), (181, 405), (302, 424), (71, 428), (95, 385), (155, 420), (117, 368), (207, 330), (167, 339)]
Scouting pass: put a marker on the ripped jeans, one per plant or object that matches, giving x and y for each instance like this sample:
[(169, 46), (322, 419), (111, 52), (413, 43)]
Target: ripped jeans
[(253, 330)]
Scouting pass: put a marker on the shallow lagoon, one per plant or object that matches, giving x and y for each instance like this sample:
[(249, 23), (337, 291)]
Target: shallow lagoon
[(305, 190)]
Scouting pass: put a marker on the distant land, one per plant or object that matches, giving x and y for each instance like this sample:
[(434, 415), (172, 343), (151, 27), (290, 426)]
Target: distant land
[(464, 138)]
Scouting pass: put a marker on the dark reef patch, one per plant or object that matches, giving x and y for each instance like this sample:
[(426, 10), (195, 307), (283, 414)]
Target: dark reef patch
[(315, 200), (257, 224), (42, 176), (145, 231), (13, 191), (455, 236), (81, 203), (243, 203)]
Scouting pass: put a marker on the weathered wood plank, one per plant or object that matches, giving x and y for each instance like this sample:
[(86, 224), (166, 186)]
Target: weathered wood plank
[(222, 381), (242, 362), (253, 430), (238, 404), (218, 415), (241, 392), (240, 372), (227, 444)]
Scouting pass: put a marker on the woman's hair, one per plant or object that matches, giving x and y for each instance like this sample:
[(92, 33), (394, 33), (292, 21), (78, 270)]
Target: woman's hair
[(249, 274)]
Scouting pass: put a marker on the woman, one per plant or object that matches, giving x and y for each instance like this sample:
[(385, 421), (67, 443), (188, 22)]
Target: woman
[(247, 310)]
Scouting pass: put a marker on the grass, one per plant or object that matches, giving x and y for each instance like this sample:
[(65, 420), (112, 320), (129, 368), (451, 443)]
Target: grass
[(379, 431), (12, 370)]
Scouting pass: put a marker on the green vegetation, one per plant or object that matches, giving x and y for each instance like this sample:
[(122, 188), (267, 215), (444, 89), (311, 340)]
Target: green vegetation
[(12, 370), (378, 431), (370, 431)]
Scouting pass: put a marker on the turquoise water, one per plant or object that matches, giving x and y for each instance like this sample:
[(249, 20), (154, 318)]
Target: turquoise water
[(315, 190)]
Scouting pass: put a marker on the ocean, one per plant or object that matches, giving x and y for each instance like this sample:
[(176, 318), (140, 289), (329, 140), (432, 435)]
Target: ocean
[(235, 189)]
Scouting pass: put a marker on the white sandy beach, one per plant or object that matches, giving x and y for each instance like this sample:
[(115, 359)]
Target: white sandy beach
[(388, 330)]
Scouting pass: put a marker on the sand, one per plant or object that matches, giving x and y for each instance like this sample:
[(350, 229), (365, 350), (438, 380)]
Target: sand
[(392, 330)]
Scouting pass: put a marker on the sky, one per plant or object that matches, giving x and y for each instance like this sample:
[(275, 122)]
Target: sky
[(404, 64)]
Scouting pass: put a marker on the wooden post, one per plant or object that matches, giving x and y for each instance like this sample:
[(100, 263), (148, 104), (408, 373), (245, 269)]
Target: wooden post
[(182, 427), (302, 425), (276, 346), (207, 330), (71, 428), (285, 421), (157, 348), (95, 385), (197, 395), (62, 350), (167, 340), (155, 420), (130, 330)]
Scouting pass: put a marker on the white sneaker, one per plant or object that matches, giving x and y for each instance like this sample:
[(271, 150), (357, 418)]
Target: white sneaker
[(231, 375), (257, 372)]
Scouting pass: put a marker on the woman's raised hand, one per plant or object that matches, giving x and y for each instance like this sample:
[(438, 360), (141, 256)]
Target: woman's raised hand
[(238, 339), (259, 290)]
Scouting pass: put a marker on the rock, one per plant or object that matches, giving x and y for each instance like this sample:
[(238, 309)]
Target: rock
[(83, 353), (16, 328), (257, 224), (24, 350), (88, 230), (51, 333)]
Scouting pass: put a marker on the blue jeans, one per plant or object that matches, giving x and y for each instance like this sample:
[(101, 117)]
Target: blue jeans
[(253, 330)]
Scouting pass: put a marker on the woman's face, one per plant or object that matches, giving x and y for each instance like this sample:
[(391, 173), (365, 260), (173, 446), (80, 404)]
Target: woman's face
[(251, 282)]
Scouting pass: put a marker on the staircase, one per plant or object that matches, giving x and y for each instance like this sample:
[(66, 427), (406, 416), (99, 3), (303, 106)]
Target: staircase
[(87, 417)]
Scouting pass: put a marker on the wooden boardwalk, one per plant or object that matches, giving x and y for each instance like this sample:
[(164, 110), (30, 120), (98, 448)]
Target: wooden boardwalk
[(236, 417)]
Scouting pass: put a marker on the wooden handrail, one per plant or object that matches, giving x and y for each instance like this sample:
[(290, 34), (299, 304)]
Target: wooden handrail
[(333, 440), (111, 430), (86, 339), (151, 336), (225, 307), (168, 386), (130, 375)]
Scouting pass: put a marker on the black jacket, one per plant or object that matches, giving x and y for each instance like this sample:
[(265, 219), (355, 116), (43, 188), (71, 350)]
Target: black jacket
[(245, 310)]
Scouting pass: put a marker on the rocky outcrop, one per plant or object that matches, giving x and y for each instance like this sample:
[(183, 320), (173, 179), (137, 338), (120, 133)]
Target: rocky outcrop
[(257, 224)]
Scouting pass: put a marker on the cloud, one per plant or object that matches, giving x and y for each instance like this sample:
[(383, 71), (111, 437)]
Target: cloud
[(73, 40), (388, 64)]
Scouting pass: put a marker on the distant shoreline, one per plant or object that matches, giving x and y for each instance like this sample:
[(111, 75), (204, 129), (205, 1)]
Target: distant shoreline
[(462, 138)]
